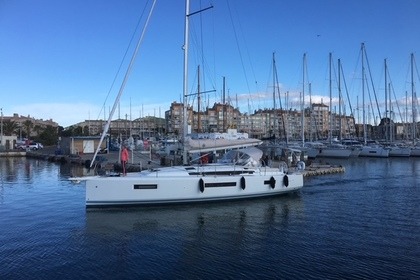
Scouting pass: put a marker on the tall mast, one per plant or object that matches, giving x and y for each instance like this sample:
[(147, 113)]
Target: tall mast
[(198, 101), (224, 105), (274, 94), (387, 133), (311, 119), (185, 78), (363, 95), (413, 97), (330, 89), (303, 101), (339, 99)]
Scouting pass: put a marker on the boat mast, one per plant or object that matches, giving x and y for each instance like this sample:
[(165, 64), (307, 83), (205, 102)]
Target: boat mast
[(363, 95), (413, 97), (339, 99), (185, 78), (198, 101), (303, 101), (330, 86), (185, 81), (274, 97), (387, 124)]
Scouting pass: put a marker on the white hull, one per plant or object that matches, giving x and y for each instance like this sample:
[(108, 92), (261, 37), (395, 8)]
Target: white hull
[(415, 152), (175, 185), (334, 153), (368, 151), (355, 151), (399, 152), (312, 152)]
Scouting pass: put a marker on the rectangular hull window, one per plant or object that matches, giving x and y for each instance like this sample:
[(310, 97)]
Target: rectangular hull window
[(145, 187)]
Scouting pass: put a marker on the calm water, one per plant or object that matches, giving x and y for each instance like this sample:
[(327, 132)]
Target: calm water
[(361, 224)]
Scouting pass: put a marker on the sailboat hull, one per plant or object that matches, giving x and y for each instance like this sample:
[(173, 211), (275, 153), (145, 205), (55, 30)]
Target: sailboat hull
[(368, 151), (177, 186)]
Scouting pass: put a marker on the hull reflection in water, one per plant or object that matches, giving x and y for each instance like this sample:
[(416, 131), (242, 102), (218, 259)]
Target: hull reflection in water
[(187, 219)]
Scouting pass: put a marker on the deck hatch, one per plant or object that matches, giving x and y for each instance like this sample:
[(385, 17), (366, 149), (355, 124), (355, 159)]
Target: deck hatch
[(145, 186)]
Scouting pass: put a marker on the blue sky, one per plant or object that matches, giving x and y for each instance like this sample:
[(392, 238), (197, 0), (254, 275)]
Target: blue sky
[(58, 59)]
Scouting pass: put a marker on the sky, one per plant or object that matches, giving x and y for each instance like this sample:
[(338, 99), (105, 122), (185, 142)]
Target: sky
[(66, 60)]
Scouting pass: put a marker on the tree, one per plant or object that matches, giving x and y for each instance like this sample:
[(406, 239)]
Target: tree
[(49, 136), (9, 127), (37, 129), (28, 124)]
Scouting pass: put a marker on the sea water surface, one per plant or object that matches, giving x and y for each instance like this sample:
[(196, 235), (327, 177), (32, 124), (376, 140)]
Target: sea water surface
[(360, 224)]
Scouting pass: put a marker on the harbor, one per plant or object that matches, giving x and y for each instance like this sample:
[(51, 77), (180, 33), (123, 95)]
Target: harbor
[(351, 223)]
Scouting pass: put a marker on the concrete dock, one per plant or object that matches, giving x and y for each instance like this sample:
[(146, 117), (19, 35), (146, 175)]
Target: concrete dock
[(139, 161)]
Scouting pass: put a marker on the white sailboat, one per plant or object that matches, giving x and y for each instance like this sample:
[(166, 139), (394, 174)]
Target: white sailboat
[(415, 148), (331, 149), (373, 149), (395, 149), (239, 176)]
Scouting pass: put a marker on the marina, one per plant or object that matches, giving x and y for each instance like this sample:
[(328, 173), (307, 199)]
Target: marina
[(221, 176), (361, 223)]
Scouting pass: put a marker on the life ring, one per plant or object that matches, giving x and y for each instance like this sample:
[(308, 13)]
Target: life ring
[(201, 185), (242, 183), (272, 182), (286, 181), (301, 165)]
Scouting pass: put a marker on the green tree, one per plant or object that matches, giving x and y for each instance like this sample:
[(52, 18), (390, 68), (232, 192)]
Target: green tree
[(49, 136), (78, 131), (38, 129), (86, 130), (28, 124), (9, 127)]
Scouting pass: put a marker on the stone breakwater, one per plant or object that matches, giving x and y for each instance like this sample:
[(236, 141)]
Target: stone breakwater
[(316, 169)]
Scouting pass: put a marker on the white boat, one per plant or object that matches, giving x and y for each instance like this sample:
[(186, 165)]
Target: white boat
[(239, 176), (415, 151), (398, 151), (318, 149), (244, 178), (374, 151), (354, 145)]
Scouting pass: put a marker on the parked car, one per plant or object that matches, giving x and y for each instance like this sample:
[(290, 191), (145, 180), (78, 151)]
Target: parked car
[(31, 146)]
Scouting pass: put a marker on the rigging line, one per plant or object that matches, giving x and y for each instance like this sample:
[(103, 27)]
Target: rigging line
[(123, 59), (371, 103), (249, 57), (239, 49), (372, 84), (202, 48), (127, 74), (347, 92), (396, 101)]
